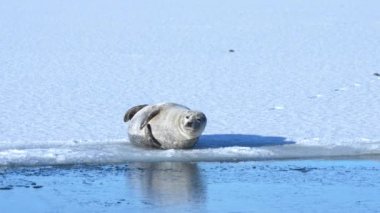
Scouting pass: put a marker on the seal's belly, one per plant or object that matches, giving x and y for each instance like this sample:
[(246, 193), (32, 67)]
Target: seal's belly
[(171, 138)]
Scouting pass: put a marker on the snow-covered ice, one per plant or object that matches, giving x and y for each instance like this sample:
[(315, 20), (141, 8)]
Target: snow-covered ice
[(299, 82)]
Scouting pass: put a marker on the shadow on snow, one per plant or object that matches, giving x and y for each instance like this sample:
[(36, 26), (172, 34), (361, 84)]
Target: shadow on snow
[(228, 140)]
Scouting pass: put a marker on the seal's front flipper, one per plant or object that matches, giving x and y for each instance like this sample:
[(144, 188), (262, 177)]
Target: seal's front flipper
[(132, 111), (151, 139), (151, 115)]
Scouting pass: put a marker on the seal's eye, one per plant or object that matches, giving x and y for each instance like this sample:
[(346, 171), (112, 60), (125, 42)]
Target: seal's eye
[(187, 116), (199, 120)]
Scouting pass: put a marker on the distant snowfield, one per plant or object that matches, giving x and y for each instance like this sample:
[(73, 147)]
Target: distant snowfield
[(277, 80)]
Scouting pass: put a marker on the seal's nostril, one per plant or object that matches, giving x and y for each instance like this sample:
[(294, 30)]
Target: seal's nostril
[(189, 124)]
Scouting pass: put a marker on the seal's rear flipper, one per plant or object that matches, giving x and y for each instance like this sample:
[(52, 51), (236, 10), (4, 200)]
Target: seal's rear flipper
[(149, 117), (132, 111)]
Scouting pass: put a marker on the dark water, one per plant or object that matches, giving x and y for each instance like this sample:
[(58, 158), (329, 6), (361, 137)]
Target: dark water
[(266, 186)]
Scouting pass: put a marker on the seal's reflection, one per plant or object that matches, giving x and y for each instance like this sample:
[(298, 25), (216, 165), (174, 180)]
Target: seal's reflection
[(166, 183)]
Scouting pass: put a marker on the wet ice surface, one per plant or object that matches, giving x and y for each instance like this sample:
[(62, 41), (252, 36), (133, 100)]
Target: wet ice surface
[(266, 186)]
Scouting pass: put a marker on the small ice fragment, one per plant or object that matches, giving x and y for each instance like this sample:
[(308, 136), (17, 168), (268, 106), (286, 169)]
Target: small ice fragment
[(365, 140), (278, 108), (341, 89), (357, 85), (317, 96), (60, 158)]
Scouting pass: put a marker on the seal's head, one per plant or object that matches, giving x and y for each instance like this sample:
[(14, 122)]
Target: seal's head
[(193, 123)]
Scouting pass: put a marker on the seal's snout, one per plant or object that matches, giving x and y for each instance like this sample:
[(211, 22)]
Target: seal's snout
[(201, 117), (193, 125), (195, 121), (189, 124)]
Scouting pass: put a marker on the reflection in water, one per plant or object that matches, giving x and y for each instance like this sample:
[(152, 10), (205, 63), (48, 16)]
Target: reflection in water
[(166, 183)]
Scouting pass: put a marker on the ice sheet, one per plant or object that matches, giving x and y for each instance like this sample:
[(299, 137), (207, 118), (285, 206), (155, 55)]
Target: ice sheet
[(289, 79)]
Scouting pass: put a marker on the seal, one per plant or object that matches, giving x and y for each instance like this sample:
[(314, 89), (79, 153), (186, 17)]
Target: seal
[(164, 126)]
